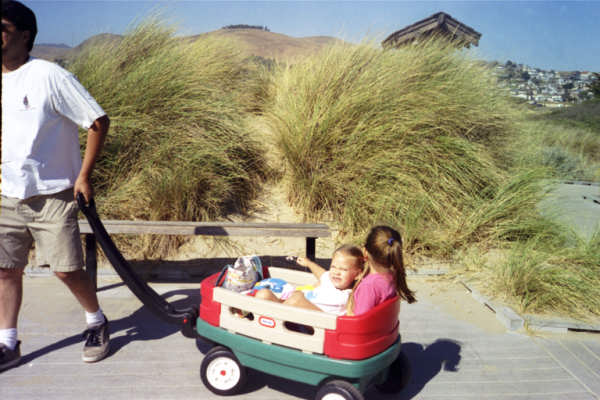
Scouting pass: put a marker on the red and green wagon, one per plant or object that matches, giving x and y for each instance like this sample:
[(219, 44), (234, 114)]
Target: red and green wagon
[(341, 355)]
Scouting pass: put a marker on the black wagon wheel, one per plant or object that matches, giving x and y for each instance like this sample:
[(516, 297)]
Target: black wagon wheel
[(338, 390), (398, 376), (221, 372)]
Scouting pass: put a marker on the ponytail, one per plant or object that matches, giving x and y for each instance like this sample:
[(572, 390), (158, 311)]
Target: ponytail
[(397, 265), (384, 245)]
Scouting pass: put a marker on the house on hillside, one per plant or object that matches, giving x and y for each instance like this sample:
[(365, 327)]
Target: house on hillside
[(441, 24)]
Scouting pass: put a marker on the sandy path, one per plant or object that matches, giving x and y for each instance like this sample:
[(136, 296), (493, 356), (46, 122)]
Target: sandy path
[(271, 206)]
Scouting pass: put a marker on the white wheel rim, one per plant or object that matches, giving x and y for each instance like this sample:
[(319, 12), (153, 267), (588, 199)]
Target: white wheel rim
[(223, 373), (333, 396)]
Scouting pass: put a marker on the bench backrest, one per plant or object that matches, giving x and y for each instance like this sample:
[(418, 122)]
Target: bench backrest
[(210, 228)]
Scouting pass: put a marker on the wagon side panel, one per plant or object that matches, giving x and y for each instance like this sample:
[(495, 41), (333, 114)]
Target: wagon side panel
[(268, 321), (210, 310), (362, 336)]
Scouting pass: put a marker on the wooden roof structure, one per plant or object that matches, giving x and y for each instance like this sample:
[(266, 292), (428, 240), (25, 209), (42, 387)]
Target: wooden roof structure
[(438, 24)]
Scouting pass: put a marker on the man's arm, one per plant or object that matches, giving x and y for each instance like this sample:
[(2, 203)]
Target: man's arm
[(95, 140)]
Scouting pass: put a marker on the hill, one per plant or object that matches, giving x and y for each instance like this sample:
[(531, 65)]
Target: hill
[(275, 45), (101, 38), (51, 52), (255, 42)]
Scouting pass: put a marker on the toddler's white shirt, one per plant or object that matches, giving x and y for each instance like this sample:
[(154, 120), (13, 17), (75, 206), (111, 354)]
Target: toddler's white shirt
[(327, 297)]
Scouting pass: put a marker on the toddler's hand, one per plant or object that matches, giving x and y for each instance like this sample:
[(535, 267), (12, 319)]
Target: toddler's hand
[(302, 261)]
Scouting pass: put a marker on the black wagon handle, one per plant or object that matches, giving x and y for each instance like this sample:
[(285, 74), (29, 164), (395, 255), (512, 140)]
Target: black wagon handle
[(83, 206), (186, 318)]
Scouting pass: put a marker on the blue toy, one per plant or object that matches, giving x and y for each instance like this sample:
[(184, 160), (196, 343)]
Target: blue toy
[(275, 285)]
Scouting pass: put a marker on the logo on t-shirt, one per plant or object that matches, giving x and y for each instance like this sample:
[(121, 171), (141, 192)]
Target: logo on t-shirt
[(26, 102)]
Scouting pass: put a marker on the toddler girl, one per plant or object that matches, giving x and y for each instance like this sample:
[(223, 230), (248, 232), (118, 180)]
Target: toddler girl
[(334, 288)]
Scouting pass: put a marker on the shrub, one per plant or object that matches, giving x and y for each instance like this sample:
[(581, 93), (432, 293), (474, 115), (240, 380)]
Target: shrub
[(178, 147), (410, 137), (544, 276), (567, 142), (565, 164)]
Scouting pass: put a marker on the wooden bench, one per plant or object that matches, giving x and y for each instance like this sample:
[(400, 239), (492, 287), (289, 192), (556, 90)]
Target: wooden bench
[(309, 231)]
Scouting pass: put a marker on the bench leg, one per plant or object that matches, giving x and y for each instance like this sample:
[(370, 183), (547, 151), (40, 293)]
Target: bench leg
[(91, 263), (311, 248)]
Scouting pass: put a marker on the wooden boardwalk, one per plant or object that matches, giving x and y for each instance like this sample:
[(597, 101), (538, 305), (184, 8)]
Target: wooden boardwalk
[(451, 358)]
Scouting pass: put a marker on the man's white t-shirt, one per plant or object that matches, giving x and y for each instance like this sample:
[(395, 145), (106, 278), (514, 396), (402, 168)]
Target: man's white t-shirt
[(42, 105)]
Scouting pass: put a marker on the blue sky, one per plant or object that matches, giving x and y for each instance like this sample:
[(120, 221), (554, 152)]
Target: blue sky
[(559, 35)]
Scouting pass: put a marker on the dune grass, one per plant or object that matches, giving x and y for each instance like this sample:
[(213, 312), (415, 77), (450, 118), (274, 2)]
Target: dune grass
[(404, 136), (178, 147), (422, 139), (553, 272), (419, 138), (566, 141)]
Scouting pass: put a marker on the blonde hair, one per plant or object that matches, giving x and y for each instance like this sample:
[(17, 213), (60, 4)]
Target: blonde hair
[(356, 252), (352, 251), (384, 246)]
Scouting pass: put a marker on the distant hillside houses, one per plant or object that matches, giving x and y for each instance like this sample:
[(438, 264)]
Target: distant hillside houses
[(546, 88)]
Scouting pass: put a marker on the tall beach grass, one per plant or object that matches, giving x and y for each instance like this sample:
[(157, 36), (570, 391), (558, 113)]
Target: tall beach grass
[(566, 141), (178, 147), (407, 136), (421, 138), (537, 275)]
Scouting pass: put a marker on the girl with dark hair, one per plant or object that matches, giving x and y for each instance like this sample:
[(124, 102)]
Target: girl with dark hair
[(386, 275)]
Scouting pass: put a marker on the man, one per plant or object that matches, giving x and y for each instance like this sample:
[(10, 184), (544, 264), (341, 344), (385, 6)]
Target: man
[(42, 173)]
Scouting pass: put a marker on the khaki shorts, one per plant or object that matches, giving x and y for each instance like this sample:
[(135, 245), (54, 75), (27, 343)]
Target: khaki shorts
[(48, 220)]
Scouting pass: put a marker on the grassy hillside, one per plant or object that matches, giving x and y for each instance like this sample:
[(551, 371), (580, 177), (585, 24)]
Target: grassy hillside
[(178, 147), (419, 138), (51, 52), (566, 141), (422, 139), (397, 136)]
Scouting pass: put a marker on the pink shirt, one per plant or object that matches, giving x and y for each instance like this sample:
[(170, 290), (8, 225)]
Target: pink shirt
[(372, 290)]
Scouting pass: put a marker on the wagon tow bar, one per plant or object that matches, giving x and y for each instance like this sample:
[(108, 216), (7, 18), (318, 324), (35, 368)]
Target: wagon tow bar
[(185, 318)]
